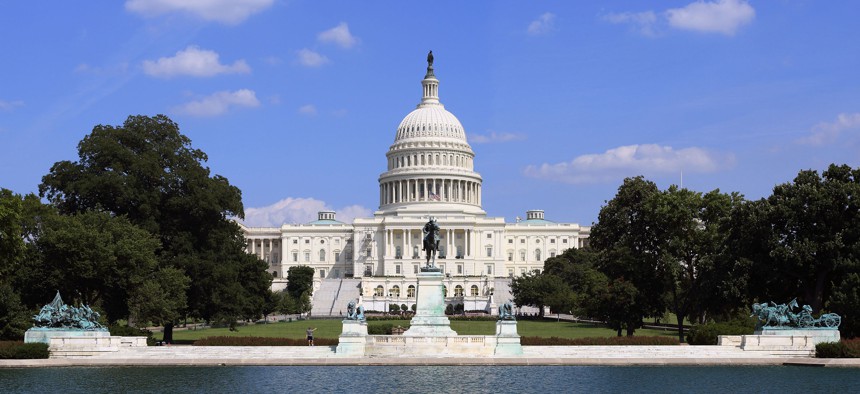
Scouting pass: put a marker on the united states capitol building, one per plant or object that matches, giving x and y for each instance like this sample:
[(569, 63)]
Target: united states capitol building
[(430, 172)]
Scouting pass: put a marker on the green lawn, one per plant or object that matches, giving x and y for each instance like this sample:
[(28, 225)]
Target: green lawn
[(332, 329)]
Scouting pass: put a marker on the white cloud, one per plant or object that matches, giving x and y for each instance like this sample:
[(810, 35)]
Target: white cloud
[(339, 35), (299, 210), (219, 103), (310, 58), (308, 109), (195, 62), (825, 133), (226, 11), (542, 25), (493, 137), (718, 16), (10, 105), (721, 16), (643, 22), (631, 160)]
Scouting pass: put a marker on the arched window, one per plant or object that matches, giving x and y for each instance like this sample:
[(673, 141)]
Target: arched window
[(322, 254), (473, 291), (395, 291), (415, 252), (458, 291), (379, 291), (444, 291), (274, 274), (537, 254), (459, 252), (397, 253), (522, 255), (441, 251), (410, 291)]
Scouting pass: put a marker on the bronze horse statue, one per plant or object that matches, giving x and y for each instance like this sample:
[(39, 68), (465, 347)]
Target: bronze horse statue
[(431, 241)]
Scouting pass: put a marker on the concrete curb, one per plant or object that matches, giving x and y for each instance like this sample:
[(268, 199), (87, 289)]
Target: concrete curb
[(422, 361)]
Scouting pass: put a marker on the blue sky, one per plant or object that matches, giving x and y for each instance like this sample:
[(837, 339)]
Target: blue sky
[(296, 102)]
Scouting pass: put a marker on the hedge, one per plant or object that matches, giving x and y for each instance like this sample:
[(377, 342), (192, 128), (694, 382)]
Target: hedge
[(20, 350), (597, 341), (846, 348), (262, 341), (706, 334)]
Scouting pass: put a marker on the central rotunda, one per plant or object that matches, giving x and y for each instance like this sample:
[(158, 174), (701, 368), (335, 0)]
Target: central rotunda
[(430, 164), (430, 172)]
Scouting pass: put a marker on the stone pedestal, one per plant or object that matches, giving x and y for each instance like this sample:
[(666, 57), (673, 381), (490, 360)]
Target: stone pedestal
[(430, 319), (353, 339), (44, 335), (507, 339)]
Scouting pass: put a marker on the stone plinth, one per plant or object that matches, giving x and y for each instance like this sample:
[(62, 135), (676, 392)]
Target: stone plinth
[(781, 342), (353, 339), (44, 335), (430, 319), (507, 339), (77, 347)]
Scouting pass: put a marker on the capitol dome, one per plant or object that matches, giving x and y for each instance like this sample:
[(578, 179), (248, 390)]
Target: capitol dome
[(430, 164), (430, 121)]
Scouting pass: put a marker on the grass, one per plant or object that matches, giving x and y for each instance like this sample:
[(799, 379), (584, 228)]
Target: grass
[(332, 329)]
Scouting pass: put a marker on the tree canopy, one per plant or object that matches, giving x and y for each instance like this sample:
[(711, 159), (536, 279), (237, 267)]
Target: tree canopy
[(148, 172)]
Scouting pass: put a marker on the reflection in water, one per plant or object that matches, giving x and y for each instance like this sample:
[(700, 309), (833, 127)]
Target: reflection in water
[(425, 379)]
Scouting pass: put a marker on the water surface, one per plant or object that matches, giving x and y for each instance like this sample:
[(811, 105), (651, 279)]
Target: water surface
[(430, 379)]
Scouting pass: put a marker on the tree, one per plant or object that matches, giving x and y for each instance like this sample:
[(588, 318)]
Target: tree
[(91, 258), (160, 299), (14, 319), (629, 251), (690, 231), (147, 171), (810, 229), (540, 290), (576, 267), (300, 279)]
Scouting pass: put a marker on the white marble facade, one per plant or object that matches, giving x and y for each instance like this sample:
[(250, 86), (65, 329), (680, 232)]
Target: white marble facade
[(430, 172)]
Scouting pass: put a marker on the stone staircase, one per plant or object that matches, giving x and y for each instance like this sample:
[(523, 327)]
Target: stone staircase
[(502, 294), (333, 296)]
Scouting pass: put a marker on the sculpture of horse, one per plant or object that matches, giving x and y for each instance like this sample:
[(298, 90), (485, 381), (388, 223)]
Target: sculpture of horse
[(431, 241)]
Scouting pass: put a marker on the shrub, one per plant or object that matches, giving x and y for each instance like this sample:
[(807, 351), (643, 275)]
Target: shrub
[(706, 334), (849, 348), (383, 328), (127, 331), (449, 309), (394, 308), (597, 341), (262, 341), (20, 350)]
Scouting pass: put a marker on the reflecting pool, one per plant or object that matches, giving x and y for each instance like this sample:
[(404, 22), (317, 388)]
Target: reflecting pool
[(430, 379)]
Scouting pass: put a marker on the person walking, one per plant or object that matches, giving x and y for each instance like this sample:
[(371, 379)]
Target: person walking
[(311, 336)]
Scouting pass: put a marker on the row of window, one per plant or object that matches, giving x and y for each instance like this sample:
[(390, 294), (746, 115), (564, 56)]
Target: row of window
[(379, 291), (322, 256), (322, 241)]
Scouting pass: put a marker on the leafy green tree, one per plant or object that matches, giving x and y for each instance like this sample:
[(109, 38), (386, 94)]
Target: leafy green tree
[(540, 290), (846, 300), (12, 248), (300, 279), (147, 171), (576, 267), (14, 317), (92, 258), (810, 229), (160, 299), (630, 254), (690, 231)]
